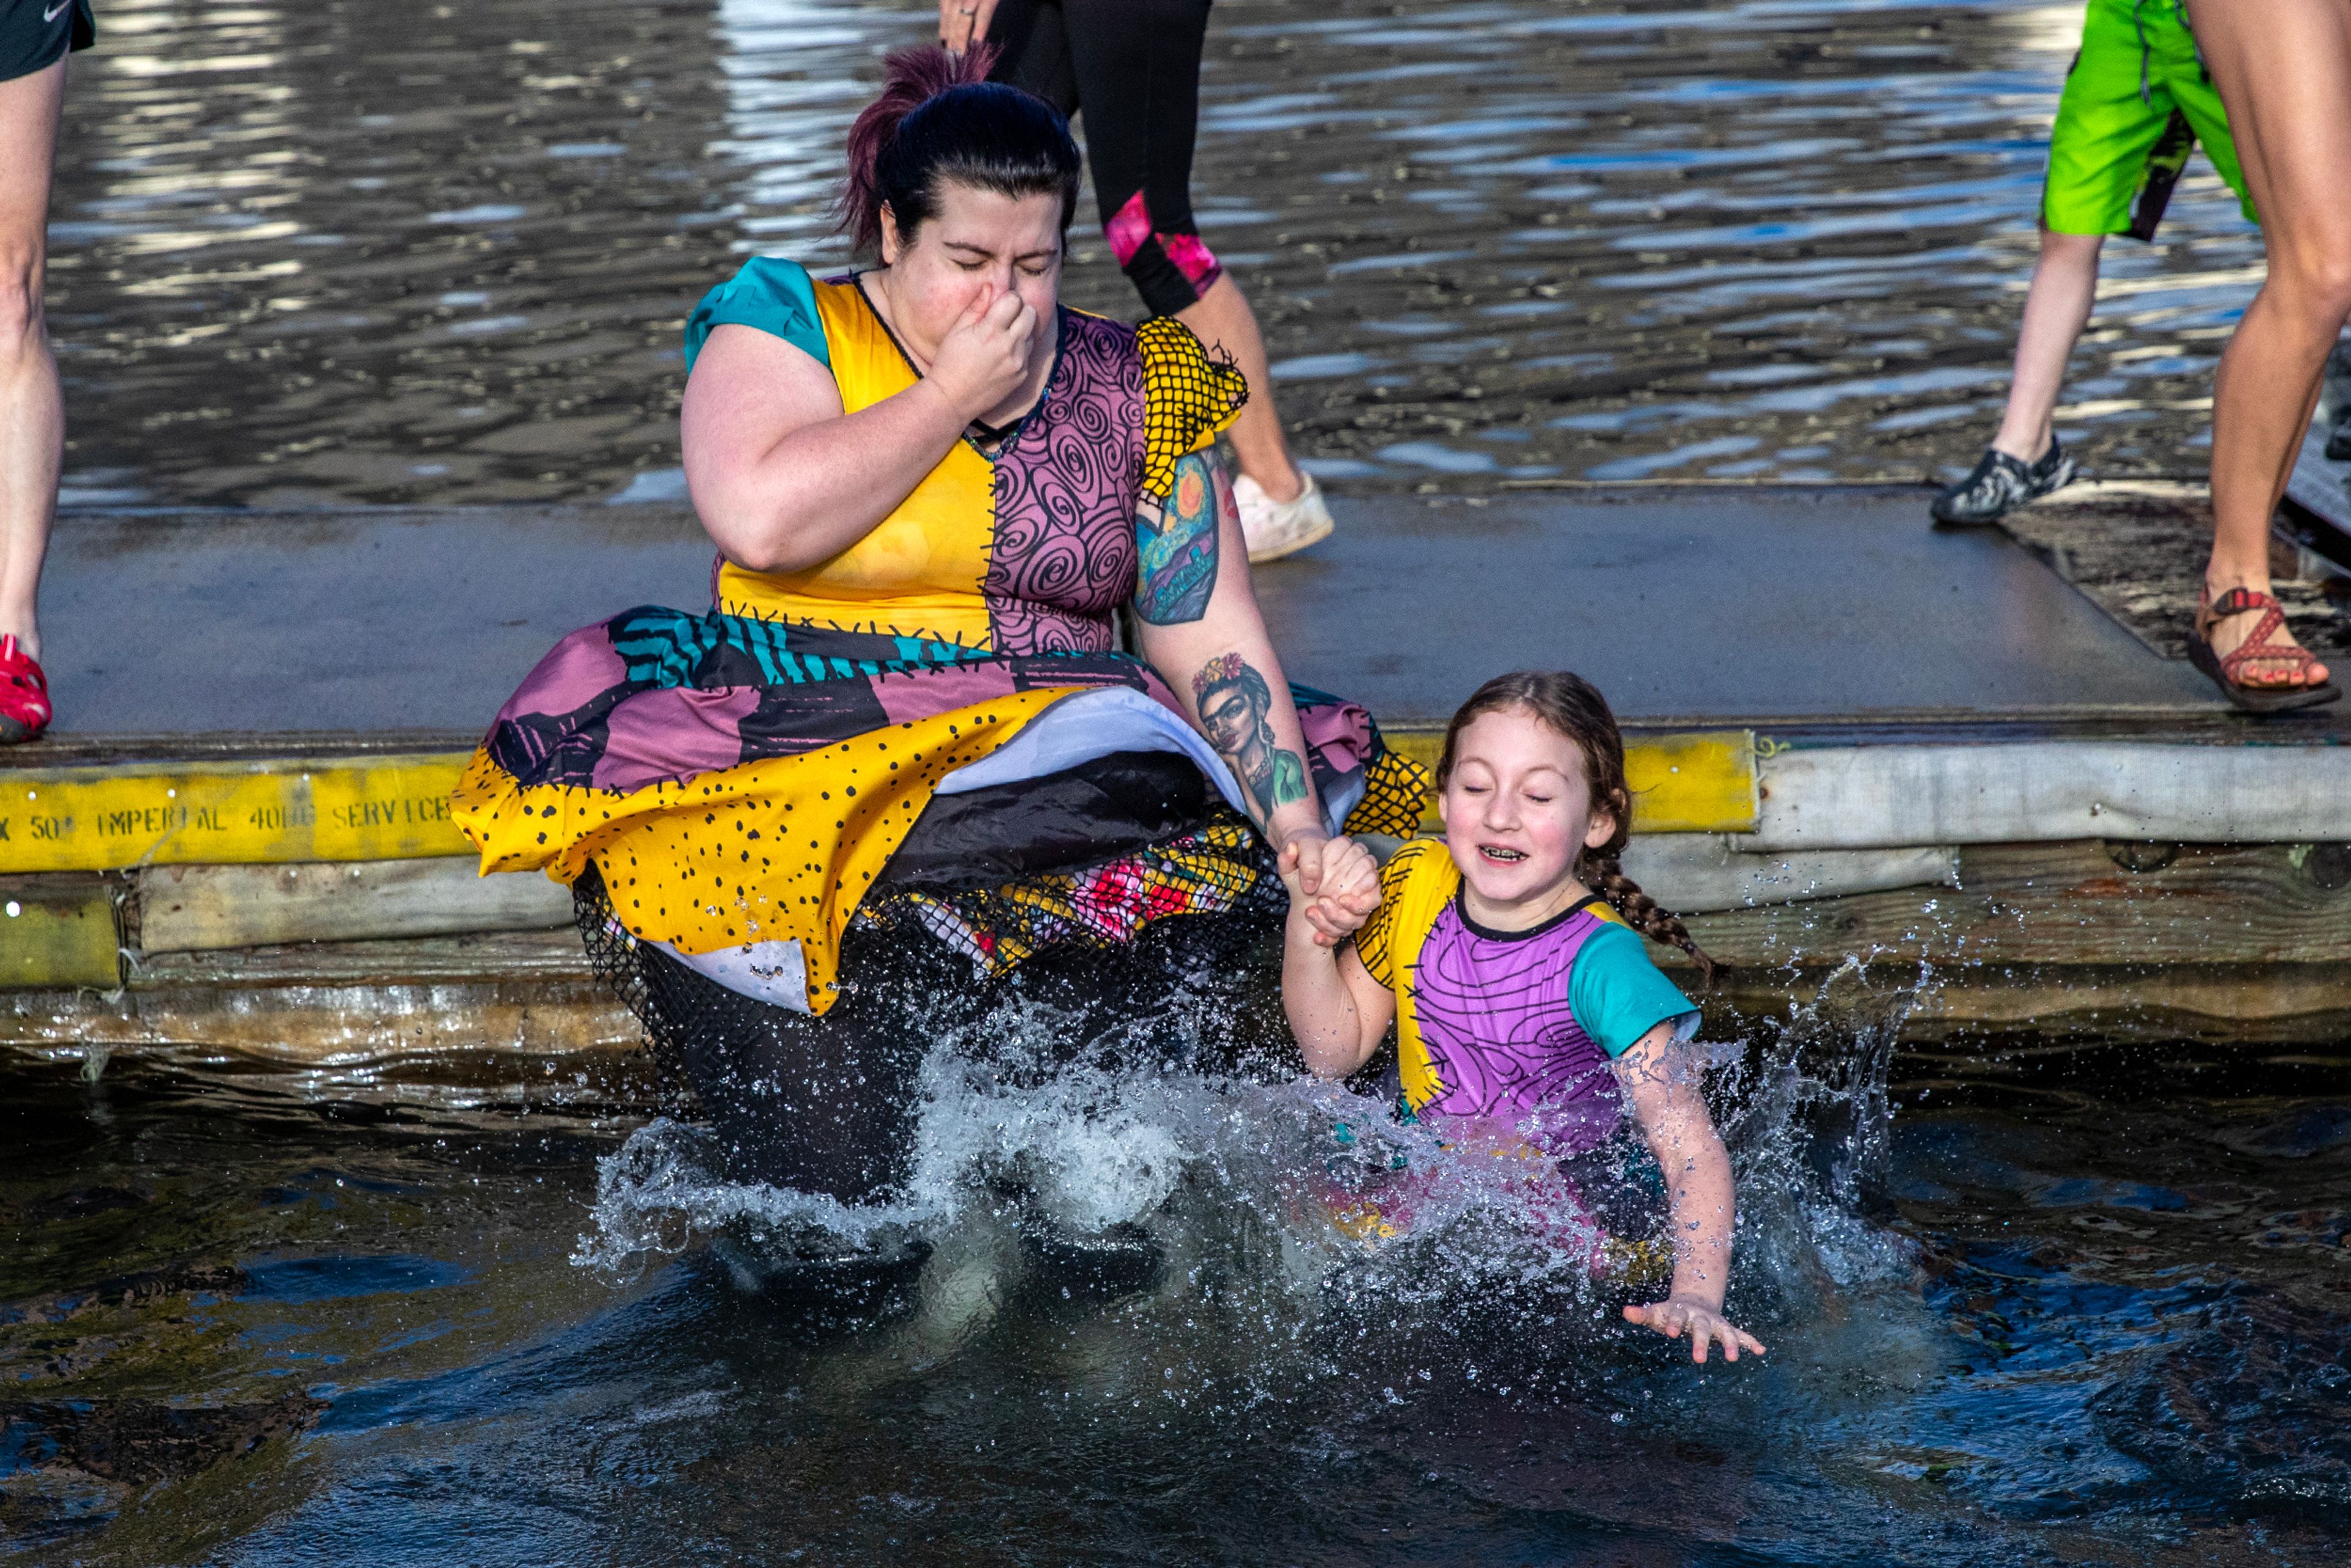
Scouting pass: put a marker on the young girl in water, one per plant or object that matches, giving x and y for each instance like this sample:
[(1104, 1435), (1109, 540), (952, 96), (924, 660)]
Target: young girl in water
[(1527, 1012)]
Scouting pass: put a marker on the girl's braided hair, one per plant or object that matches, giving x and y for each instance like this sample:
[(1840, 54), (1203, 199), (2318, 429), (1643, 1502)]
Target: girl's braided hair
[(1572, 706)]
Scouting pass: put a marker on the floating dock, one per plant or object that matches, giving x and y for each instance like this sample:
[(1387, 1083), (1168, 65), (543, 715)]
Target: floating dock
[(1857, 742)]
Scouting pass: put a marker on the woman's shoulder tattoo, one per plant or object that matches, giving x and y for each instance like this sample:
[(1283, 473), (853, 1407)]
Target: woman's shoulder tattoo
[(1176, 566)]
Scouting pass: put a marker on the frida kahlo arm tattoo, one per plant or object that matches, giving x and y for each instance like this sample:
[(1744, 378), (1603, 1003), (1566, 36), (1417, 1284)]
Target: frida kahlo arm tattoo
[(1177, 549), (1199, 626), (1234, 704)]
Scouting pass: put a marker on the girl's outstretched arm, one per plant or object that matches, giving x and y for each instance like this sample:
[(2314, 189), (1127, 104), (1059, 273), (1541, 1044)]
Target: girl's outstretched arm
[(1337, 1010), (1662, 1088)]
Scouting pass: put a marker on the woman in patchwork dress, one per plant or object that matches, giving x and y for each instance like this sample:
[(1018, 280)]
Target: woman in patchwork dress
[(902, 762)]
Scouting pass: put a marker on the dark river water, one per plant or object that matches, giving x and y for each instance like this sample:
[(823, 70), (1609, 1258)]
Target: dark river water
[(2024, 1305), (393, 250)]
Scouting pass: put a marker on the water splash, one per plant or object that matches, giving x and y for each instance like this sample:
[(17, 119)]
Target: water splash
[(1305, 1192), (1808, 1119), (662, 1190)]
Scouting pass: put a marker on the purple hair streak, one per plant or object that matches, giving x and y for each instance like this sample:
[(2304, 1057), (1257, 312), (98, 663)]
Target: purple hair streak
[(940, 120)]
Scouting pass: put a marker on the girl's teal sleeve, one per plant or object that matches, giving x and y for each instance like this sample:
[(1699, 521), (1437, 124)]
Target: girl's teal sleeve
[(1618, 996), (773, 295)]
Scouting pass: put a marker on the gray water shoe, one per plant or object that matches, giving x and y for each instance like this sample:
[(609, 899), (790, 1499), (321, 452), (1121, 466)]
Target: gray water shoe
[(2338, 445), (2000, 483)]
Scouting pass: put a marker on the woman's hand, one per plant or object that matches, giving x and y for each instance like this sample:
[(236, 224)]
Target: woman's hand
[(963, 22), (1678, 1315), (1333, 883), (983, 359)]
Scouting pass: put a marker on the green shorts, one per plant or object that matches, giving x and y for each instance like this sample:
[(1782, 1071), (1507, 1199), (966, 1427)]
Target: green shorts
[(2116, 154)]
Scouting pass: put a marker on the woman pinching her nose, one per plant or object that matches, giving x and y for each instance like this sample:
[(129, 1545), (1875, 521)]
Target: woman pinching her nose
[(901, 771)]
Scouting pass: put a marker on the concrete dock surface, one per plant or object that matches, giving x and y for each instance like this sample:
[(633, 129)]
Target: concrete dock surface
[(1686, 606)]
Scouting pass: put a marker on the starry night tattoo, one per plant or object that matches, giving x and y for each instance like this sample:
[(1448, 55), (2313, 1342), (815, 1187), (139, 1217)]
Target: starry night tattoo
[(1177, 570)]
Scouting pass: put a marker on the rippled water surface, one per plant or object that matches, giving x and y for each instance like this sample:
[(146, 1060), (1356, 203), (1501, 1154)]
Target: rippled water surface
[(395, 250), (2086, 1306)]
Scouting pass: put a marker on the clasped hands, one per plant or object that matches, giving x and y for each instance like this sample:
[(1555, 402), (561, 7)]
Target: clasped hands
[(1333, 883)]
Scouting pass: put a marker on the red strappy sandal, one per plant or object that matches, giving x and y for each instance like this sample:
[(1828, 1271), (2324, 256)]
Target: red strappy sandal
[(24, 694), (2224, 669)]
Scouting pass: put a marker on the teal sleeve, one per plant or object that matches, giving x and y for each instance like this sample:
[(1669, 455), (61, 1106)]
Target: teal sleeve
[(1618, 996), (772, 294)]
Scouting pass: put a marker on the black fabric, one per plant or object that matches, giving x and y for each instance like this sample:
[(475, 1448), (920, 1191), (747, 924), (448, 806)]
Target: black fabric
[(1099, 810), (823, 1105), (830, 1105), (1133, 67), (33, 37), (2165, 162)]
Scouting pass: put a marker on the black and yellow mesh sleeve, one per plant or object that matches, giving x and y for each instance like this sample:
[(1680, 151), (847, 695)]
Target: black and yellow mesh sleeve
[(1396, 797), (1188, 397)]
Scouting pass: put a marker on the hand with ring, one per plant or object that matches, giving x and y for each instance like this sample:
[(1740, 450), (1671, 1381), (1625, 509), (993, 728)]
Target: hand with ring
[(963, 22)]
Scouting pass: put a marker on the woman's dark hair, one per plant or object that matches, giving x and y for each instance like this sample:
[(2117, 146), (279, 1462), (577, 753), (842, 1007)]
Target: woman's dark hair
[(1572, 706), (940, 119)]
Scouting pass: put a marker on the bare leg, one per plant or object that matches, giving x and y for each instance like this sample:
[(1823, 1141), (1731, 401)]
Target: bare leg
[(32, 408), (2056, 308), (2284, 68), (1222, 317)]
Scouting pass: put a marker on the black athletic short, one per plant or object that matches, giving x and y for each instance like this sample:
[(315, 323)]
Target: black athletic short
[(36, 33), (1133, 69)]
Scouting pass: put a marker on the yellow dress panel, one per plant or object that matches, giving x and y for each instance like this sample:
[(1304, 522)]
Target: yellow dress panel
[(919, 572), (763, 852)]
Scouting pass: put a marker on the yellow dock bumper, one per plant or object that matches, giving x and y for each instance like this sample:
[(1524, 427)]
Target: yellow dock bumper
[(1697, 781), (115, 818), (397, 807)]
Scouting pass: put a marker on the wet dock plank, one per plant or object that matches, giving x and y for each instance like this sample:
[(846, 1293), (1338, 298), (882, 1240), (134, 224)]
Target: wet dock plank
[(1744, 607), (260, 688), (368, 621), (1723, 606)]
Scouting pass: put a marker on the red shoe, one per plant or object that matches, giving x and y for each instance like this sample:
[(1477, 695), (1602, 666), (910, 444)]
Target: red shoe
[(24, 694)]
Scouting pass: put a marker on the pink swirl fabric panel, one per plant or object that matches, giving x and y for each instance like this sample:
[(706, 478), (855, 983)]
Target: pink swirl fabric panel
[(1066, 488)]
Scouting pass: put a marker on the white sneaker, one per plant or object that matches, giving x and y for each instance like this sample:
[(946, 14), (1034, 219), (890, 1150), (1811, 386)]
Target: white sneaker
[(1277, 528)]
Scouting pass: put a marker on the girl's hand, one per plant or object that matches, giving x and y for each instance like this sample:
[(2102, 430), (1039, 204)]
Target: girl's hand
[(1334, 884), (1351, 882), (1679, 1315), (984, 358), (963, 22)]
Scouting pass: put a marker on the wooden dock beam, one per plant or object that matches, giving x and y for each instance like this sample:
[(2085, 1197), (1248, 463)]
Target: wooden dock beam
[(324, 909)]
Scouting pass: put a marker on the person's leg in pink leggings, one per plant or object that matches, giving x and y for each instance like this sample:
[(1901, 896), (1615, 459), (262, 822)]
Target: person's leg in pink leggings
[(1132, 68)]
